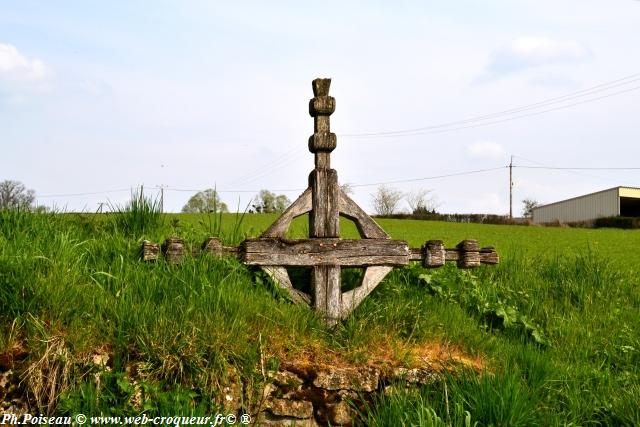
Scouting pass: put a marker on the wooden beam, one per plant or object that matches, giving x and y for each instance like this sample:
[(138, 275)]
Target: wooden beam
[(281, 277), (434, 254), (469, 254), (323, 219), (325, 281), (314, 252), (372, 278), (173, 249), (431, 254), (488, 255), (150, 250), (367, 227), (300, 207)]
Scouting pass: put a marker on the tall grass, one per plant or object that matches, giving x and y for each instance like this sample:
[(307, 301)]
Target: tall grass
[(560, 335), (84, 287), (139, 215), (71, 287), (468, 399), (215, 225)]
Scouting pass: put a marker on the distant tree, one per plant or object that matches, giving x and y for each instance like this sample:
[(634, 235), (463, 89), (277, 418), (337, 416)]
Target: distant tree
[(421, 201), (385, 200), (207, 201), (267, 202), (13, 194), (347, 188), (528, 206)]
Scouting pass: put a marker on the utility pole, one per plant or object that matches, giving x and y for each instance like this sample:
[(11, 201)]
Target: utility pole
[(162, 192), (162, 187), (511, 188)]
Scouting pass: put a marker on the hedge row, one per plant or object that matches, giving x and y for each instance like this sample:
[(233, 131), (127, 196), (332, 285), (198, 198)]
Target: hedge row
[(627, 222), (463, 218), (608, 222)]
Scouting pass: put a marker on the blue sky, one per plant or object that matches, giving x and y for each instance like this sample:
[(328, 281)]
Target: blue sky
[(98, 96)]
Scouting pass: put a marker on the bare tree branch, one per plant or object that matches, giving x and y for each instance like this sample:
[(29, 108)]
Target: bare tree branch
[(385, 200), (347, 189), (14, 194), (421, 201)]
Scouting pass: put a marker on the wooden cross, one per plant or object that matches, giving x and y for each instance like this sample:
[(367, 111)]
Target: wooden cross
[(324, 252)]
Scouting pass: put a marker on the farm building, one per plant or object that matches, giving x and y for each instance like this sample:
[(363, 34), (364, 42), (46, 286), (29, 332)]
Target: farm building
[(617, 201)]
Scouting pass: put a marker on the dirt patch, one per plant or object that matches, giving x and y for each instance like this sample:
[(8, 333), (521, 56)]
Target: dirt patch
[(385, 355)]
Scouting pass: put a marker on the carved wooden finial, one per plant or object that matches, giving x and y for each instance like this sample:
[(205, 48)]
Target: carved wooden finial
[(321, 106), (321, 87)]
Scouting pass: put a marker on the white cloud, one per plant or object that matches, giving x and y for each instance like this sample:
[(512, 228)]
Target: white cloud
[(14, 65), (486, 150), (529, 52)]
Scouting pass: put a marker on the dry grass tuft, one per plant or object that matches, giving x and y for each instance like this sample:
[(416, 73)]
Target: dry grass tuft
[(50, 376)]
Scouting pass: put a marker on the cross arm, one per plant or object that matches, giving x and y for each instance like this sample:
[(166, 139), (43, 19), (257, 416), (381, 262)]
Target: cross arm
[(467, 254), (331, 251), (325, 251), (361, 253)]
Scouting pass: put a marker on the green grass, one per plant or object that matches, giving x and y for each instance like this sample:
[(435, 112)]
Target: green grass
[(555, 323)]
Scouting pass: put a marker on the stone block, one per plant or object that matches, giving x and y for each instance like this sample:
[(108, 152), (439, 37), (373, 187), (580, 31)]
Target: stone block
[(357, 379)]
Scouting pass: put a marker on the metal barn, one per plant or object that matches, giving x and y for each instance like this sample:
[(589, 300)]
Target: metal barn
[(617, 201)]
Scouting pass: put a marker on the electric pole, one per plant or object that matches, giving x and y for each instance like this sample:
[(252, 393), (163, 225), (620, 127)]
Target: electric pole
[(511, 188), (162, 187), (162, 191)]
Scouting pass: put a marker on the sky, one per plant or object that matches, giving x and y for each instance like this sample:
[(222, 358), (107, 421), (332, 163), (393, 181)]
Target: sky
[(97, 98)]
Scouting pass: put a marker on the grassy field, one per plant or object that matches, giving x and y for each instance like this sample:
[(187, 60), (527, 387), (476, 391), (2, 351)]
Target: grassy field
[(556, 324)]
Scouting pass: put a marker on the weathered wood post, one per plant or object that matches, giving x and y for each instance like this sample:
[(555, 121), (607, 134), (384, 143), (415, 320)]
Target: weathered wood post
[(324, 219), (173, 249)]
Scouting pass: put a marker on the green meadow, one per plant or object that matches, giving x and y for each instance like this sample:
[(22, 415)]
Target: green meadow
[(555, 325)]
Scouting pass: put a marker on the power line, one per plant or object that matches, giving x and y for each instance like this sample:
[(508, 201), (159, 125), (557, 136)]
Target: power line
[(502, 120), (400, 181), (257, 173), (284, 190), (573, 95), (295, 153), (573, 172), (564, 98), (369, 184), (85, 194), (268, 169), (576, 168), (440, 128), (234, 191)]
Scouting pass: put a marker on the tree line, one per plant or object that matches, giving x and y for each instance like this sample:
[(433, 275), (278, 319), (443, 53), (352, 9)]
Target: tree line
[(208, 201), (385, 200)]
